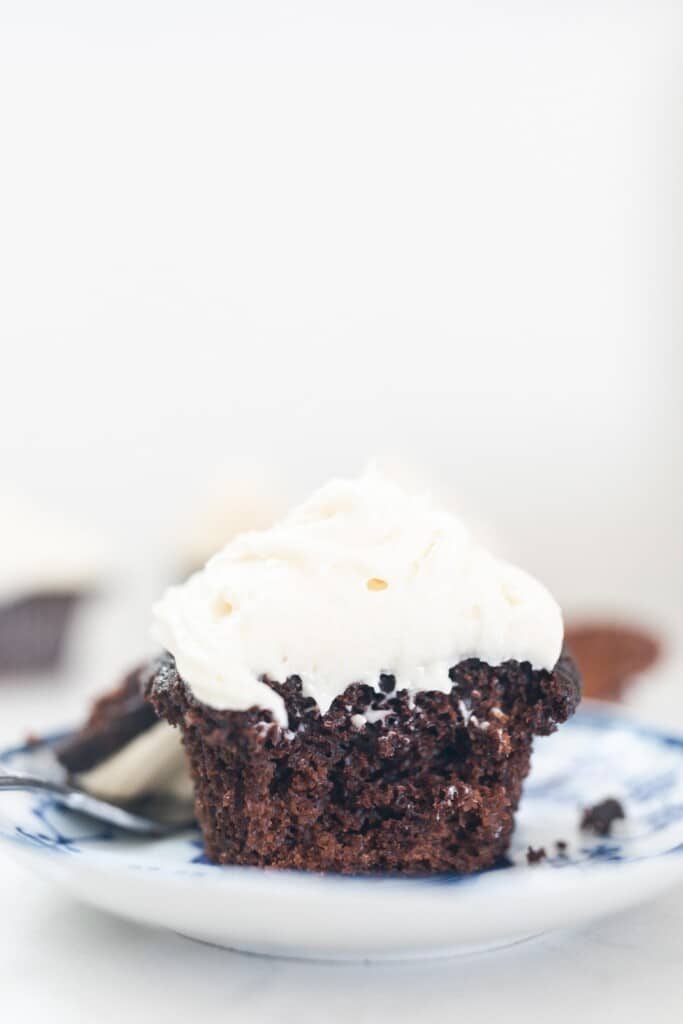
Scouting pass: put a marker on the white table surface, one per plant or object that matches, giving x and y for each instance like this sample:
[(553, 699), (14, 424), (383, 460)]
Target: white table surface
[(61, 961)]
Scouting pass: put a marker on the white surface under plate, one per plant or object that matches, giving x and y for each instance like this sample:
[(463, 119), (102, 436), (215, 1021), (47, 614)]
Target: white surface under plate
[(168, 883)]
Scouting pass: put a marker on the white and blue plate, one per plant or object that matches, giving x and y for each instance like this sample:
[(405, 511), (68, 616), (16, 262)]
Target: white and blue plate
[(169, 884)]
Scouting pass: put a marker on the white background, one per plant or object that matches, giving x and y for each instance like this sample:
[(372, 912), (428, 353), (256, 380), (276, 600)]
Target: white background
[(312, 233), (446, 233)]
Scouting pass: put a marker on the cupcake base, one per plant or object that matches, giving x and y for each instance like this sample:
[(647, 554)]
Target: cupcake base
[(380, 783)]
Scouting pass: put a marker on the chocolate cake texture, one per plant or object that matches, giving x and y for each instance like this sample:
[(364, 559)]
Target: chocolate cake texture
[(384, 781)]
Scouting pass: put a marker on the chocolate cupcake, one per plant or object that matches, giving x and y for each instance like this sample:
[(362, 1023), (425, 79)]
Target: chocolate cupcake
[(358, 688), (46, 569)]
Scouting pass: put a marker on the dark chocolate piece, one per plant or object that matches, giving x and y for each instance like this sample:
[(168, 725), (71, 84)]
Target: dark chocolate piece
[(116, 718), (600, 818), (535, 856), (432, 787)]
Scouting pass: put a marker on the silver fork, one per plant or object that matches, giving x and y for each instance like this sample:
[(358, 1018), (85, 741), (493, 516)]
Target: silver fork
[(77, 800)]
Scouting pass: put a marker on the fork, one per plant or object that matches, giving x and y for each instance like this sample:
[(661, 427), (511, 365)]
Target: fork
[(77, 800)]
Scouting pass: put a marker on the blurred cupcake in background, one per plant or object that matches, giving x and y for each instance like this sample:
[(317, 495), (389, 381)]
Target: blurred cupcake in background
[(242, 496), (612, 654), (46, 568)]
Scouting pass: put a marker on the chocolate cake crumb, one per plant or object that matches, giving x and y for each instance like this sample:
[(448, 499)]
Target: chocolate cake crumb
[(387, 683), (535, 856), (600, 818), (423, 789)]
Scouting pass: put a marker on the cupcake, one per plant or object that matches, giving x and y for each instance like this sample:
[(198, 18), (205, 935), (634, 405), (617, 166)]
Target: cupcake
[(46, 568), (358, 687)]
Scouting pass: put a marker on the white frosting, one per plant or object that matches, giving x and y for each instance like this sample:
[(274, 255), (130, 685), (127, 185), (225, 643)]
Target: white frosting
[(361, 579), (41, 554)]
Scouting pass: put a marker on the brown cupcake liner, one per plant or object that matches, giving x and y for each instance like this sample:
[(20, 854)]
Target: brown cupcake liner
[(33, 632)]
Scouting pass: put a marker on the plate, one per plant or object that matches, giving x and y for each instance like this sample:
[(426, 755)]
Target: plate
[(169, 884)]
